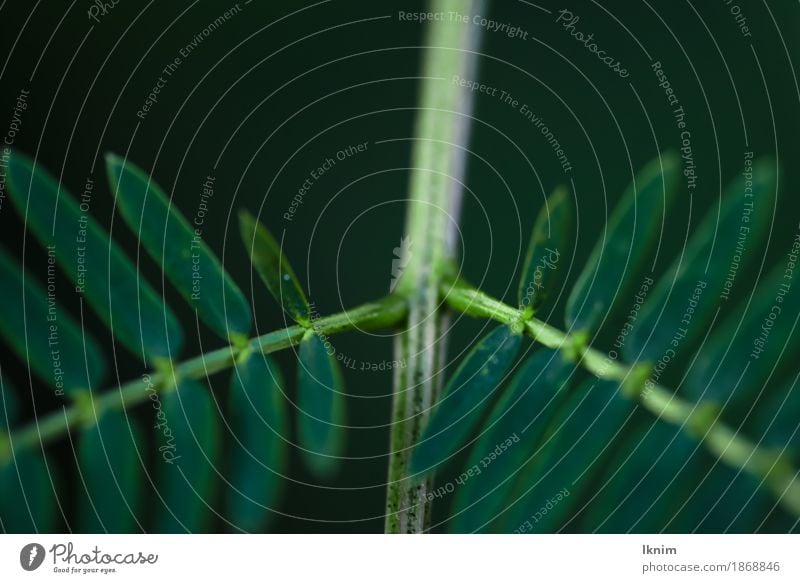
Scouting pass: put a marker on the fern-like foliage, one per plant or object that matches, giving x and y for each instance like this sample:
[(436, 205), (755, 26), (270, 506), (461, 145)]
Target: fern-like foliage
[(581, 435), (620, 452), (206, 448)]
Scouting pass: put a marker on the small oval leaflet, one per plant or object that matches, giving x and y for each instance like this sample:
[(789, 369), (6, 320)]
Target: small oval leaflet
[(755, 340), (179, 249), (550, 239), (533, 397), (706, 501), (581, 437), (9, 403), (112, 474), (654, 458), (188, 438), (94, 263), (44, 336), (684, 301), (623, 249), (321, 414), (274, 269), (258, 456), (28, 503), (466, 397)]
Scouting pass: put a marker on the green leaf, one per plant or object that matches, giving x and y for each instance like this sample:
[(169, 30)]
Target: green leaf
[(188, 437), (684, 301), (641, 487), (466, 397), (179, 249), (754, 342), (551, 237), (27, 495), (27, 500), (9, 403), (780, 522), (274, 269), (112, 475), (776, 421), (9, 412), (95, 265), (511, 437), (44, 335), (548, 490), (321, 407), (258, 458), (724, 499), (624, 248)]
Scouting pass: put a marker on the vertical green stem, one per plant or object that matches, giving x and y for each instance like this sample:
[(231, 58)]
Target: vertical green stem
[(438, 162)]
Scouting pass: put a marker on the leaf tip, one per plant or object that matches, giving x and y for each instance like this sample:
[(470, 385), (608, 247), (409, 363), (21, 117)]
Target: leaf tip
[(247, 224), (113, 160), (18, 163), (560, 195), (114, 165)]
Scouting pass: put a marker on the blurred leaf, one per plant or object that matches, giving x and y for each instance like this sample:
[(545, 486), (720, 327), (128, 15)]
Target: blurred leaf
[(9, 402), (551, 237), (27, 503), (274, 269), (697, 280), (27, 500), (258, 459), (321, 407), (179, 249), (724, 499), (624, 248), (523, 413), (640, 488), (45, 336), (778, 520), (744, 353), (548, 490), (111, 475), (466, 398), (188, 436), (111, 284), (777, 421)]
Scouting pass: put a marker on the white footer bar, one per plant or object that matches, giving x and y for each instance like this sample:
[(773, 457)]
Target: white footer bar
[(406, 559)]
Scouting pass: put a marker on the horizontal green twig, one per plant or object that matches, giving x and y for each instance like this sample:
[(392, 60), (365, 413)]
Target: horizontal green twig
[(383, 313), (699, 420)]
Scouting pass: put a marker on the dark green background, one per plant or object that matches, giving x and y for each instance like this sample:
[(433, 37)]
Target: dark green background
[(344, 76)]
